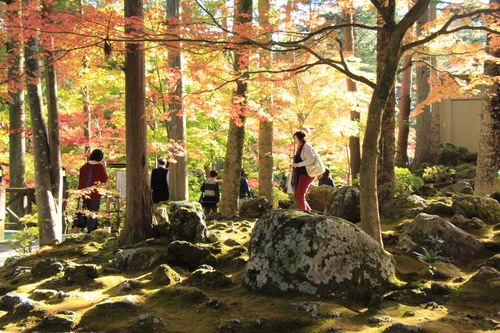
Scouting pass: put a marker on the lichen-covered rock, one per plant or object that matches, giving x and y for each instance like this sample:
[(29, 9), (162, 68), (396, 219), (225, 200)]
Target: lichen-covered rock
[(483, 287), (428, 190), (404, 328), (165, 275), (187, 222), (458, 246), (466, 171), (137, 259), (292, 251), (255, 208), (345, 203), (181, 294), (459, 187), (487, 209), (43, 294), (403, 206), (446, 271), (10, 300), (208, 278), (320, 197), (75, 273), (47, 267), (189, 255)]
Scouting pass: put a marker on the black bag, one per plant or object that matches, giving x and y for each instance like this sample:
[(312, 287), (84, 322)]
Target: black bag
[(80, 220)]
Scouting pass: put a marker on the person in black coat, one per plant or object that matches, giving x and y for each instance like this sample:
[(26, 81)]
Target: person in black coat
[(160, 181), (210, 193)]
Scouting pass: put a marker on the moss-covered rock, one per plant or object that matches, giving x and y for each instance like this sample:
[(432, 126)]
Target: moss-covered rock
[(458, 187), (255, 208), (439, 208), (189, 255), (292, 251), (403, 206), (458, 246), (345, 203), (487, 209), (466, 171), (47, 267), (80, 274), (208, 278), (449, 154), (180, 295), (483, 287), (320, 197), (187, 222), (165, 275), (138, 258)]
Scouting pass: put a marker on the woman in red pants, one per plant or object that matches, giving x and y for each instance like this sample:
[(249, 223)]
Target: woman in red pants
[(304, 156)]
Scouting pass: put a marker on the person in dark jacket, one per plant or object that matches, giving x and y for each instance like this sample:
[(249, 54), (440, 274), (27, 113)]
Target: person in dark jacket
[(210, 193), (91, 173), (325, 179), (245, 192), (160, 181)]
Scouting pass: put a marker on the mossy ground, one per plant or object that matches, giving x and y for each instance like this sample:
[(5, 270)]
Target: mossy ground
[(185, 309)]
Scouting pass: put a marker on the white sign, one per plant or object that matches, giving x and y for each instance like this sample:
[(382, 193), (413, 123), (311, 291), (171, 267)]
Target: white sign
[(121, 183)]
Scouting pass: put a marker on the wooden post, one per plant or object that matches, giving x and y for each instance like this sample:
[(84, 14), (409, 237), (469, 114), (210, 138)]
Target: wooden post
[(2, 211)]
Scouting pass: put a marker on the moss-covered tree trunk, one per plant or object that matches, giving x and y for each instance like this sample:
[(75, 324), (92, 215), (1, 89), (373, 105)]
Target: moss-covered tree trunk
[(177, 123), (488, 161), (266, 160), (234, 149), (138, 220), (48, 220), (17, 137), (354, 141)]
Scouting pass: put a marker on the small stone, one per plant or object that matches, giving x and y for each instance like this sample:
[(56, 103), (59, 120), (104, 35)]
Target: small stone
[(150, 322), (334, 329), (43, 294), (256, 323), (216, 303), (404, 328), (379, 319), (431, 305), (231, 242), (334, 314), (410, 313), (235, 321), (477, 316), (75, 273), (63, 318)]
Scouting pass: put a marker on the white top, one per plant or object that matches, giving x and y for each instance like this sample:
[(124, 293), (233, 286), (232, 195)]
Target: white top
[(307, 155)]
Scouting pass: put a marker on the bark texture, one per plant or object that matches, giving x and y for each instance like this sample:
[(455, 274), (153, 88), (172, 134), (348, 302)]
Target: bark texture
[(138, 221), (177, 123), (404, 113), (234, 149)]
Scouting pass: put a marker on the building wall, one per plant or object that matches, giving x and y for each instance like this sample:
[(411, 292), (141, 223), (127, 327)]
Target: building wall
[(460, 122)]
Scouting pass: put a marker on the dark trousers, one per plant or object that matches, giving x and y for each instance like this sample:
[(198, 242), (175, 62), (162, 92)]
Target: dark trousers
[(210, 208), (93, 206), (159, 196)]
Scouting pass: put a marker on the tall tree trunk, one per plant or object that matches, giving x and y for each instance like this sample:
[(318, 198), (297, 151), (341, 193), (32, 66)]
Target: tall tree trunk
[(17, 137), (404, 112), (385, 162), (354, 143), (177, 122), (425, 151), (488, 160), (234, 150), (138, 220), (48, 221), (266, 160)]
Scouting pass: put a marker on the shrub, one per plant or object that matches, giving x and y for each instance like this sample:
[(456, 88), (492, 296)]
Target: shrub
[(24, 240), (404, 183), (438, 174)]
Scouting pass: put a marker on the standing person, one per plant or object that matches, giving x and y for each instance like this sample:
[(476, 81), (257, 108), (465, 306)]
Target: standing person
[(245, 192), (210, 193), (325, 179), (160, 183), (304, 157), (91, 173)]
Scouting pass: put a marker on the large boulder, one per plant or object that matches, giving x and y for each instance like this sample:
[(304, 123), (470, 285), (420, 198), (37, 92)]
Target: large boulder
[(458, 246), (255, 208), (403, 206), (458, 187), (487, 209), (206, 277), (320, 197), (165, 275), (187, 222), (137, 259), (189, 255), (80, 274), (325, 256), (480, 287), (345, 203)]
